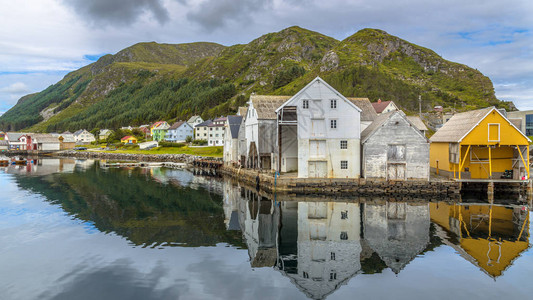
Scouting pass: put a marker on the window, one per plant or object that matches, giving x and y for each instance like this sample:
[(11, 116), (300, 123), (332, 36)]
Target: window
[(344, 164), (529, 125), (333, 124), (332, 255), (332, 276), (344, 215), (344, 235), (344, 144), (305, 275), (305, 104), (333, 103), (494, 132), (396, 153)]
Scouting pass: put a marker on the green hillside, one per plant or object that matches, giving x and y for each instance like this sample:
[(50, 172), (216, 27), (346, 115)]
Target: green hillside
[(150, 81)]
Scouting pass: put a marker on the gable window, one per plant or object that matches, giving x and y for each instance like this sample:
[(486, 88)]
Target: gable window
[(344, 164), (396, 153), (333, 103), (305, 104), (333, 124), (494, 132), (332, 255), (344, 235), (344, 144)]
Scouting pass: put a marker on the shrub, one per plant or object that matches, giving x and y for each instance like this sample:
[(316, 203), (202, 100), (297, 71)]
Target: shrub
[(199, 142), (170, 144)]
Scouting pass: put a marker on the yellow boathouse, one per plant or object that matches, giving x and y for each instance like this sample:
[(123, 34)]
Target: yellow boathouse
[(480, 144)]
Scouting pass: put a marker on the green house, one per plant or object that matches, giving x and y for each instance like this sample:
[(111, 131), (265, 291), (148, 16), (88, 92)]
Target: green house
[(159, 130)]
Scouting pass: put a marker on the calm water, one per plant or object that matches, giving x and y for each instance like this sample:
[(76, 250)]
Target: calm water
[(71, 230)]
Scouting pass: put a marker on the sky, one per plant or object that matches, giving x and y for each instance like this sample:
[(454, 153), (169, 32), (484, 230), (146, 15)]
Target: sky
[(42, 40)]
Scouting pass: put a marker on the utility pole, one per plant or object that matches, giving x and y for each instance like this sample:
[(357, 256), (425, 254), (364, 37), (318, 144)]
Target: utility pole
[(420, 106)]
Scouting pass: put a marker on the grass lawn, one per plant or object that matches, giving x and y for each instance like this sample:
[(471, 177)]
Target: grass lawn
[(214, 151)]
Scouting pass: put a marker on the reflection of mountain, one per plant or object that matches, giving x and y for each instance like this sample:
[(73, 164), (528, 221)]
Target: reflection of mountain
[(489, 236), (131, 204), (396, 231)]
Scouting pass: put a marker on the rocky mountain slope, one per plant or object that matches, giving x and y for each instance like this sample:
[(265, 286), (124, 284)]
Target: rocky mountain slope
[(151, 81)]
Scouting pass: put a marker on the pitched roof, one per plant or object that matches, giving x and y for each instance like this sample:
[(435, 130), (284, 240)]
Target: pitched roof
[(419, 124), (459, 125), (380, 106), (204, 123), (367, 110), (127, 137), (234, 125), (242, 111), (14, 136), (380, 120), (193, 119), (176, 125), (266, 105), (78, 132), (42, 138)]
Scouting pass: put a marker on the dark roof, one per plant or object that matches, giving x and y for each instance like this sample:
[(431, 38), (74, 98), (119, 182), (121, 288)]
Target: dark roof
[(234, 125), (368, 113), (204, 123), (380, 106), (79, 132), (176, 125)]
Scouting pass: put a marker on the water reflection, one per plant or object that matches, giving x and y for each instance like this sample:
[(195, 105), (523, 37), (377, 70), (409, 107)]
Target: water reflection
[(321, 246), (489, 236), (315, 247)]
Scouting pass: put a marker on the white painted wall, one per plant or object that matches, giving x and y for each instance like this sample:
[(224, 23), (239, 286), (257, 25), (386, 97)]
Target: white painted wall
[(314, 123)]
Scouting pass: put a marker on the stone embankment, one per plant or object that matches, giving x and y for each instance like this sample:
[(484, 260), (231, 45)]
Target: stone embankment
[(187, 158), (345, 187)]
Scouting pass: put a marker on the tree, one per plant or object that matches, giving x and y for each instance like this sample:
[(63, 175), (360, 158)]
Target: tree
[(188, 139), (96, 133)]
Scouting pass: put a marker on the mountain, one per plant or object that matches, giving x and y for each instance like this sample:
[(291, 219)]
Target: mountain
[(150, 81)]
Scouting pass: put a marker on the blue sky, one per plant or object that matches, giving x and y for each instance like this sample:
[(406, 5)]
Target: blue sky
[(43, 40)]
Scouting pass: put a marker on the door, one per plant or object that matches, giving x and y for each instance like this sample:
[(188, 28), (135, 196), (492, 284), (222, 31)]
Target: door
[(318, 128), (395, 171), (317, 149), (317, 169)]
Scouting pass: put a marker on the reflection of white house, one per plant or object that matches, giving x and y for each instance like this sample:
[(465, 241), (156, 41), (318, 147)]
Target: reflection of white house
[(396, 231), (329, 247), (230, 205), (319, 133), (259, 222)]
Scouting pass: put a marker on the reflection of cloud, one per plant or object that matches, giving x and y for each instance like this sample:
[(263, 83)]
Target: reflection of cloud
[(118, 280)]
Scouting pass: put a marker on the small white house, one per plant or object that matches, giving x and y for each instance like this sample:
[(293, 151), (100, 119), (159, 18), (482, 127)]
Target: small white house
[(231, 140), (104, 134), (83, 136), (383, 107), (195, 120), (319, 133), (216, 132)]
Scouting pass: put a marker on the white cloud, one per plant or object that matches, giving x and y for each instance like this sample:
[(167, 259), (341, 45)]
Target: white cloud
[(15, 88), (54, 35)]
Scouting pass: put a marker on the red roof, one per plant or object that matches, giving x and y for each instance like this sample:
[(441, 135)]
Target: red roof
[(380, 105), (127, 137)]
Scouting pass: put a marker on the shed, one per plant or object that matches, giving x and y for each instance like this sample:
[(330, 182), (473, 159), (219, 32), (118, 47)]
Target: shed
[(231, 139), (394, 149), (128, 140), (45, 142), (261, 131), (480, 144)]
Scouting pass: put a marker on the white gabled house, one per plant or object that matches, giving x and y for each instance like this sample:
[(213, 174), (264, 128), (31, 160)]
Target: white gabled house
[(231, 140), (319, 133)]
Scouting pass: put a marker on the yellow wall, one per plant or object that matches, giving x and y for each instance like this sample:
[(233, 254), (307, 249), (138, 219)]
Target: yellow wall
[(478, 138), (508, 134), (439, 151)]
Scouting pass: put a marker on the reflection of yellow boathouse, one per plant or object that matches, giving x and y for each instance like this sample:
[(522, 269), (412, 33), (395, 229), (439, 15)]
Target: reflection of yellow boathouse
[(489, 236)]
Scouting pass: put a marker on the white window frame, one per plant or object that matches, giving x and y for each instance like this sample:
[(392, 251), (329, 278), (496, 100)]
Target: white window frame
[(488, 133), (305, 104), (333, 103), (333, 124)]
